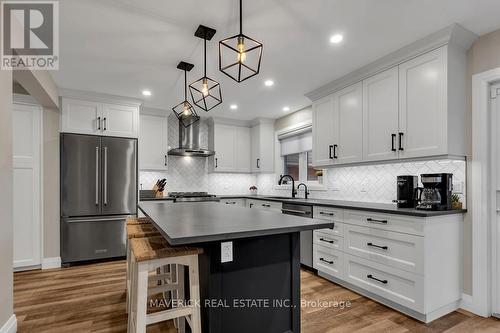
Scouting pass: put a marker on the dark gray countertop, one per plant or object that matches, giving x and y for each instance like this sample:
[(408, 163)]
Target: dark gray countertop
[(190, 223), (365, 206), (157, 199)]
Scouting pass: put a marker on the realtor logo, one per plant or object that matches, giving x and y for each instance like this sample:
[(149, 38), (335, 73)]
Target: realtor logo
[(30, 35)]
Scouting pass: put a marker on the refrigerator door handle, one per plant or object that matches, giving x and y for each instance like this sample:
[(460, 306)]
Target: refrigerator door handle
[(97, 176), (105, 175)]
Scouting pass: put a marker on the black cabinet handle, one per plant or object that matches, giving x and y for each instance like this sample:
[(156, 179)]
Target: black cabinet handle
[(393, 139), (266, 205), (401, 141), (377, 246), (327, 261), (105, 123), (165, 159), (374, 278), (325, 213), (258, 163), (99, 123), (376, 221), (251, 205), (230, 202), (335, 151), (216, 162), (330, 154), (326, 240)]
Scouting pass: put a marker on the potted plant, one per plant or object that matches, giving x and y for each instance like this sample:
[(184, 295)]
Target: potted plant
[(253, 189), (455, 202), (319, 174)]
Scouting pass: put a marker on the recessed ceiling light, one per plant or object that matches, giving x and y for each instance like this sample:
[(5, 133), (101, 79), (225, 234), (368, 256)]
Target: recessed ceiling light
[(233, 107), (146, 92), (337, 38), (269, 83), (286, 108)]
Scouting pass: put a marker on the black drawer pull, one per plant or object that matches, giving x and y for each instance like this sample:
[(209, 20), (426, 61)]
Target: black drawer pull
[(328, 262), (327, 240), (230, 202), (374, 278), (266, 205), (377, 246), (325, 213), (376, 221)]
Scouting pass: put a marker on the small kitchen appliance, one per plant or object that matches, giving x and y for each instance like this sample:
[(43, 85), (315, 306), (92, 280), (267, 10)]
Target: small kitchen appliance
[(406, 186), (436, 193)]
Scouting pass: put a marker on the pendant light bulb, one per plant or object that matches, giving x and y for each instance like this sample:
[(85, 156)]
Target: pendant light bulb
[(187, 111), (204, 87), (242, 55)]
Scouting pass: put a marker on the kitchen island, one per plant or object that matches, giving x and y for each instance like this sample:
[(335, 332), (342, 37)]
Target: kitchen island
[(258, 288)]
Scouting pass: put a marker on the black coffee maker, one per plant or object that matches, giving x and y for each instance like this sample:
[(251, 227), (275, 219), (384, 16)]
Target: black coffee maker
[(436, 193), (407, 185)]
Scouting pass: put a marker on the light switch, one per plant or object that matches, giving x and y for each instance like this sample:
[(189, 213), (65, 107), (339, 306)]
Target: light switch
[(226, 252)]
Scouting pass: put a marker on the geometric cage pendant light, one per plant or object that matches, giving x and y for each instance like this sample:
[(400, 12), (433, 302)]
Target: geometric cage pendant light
[(184, 111), (205, 92), (240, 55)]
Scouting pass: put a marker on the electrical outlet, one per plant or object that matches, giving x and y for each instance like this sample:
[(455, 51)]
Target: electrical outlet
[(226, 252), (458, 187), (363, 187)]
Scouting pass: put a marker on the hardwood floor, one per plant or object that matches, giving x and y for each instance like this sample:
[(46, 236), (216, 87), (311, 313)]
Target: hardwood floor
[(92, 299)]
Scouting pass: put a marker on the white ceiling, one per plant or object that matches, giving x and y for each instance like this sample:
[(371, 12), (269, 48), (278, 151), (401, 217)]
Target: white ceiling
[(124, 46)]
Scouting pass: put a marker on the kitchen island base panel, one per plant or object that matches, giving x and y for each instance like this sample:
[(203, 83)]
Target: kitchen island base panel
[(259, 291)]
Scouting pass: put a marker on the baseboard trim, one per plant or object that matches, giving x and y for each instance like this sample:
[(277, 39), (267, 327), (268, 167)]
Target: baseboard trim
[(10, 326), (49, 263), (468, 304)]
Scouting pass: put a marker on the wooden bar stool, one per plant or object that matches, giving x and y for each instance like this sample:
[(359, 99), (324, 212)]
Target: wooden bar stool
[(147, 255), (132, 220), (136, 230)]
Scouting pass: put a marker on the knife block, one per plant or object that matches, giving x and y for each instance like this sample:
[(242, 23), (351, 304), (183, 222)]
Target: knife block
[(159, 194)]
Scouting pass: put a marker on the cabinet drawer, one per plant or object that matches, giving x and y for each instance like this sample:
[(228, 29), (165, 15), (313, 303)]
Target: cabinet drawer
[(233, 202), (326, 240), (266, 205), (394, 249), (390, 222), (330, 214), (328, 261), (393, 284)]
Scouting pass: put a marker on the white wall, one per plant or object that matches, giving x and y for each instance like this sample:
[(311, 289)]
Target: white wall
[(6, 206)]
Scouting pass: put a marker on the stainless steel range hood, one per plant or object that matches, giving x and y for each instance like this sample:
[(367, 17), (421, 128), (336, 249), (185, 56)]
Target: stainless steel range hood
[(189, 142)]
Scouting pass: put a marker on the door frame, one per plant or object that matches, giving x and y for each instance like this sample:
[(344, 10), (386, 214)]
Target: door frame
[(495, 234), (481, 168), (30, 102)]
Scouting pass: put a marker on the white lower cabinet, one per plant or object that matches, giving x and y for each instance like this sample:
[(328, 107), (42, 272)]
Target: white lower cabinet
[(395, 285), (329, 261), (413, 264), (265, 205), (233, 202)]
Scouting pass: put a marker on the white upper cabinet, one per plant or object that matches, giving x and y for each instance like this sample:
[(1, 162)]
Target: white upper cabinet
[(262, 157), (380, 116), (423, 105), (348, 107), (153, 137), (224, 146), (410, 111), (325, 134), (80, 116), (84, 116), (120, 120), (243, 144)]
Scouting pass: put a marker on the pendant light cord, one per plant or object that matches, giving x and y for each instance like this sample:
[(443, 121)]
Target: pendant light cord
[(241, 17), (185, 85), (205, 56)]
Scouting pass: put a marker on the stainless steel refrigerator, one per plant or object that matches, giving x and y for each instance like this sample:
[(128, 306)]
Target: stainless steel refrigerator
[(98, 191)]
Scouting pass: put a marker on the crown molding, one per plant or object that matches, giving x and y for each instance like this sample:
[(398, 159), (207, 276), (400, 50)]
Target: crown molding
[(99, 97)]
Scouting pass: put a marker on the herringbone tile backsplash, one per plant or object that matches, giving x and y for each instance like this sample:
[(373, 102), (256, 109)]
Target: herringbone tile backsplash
[(370, 183)]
